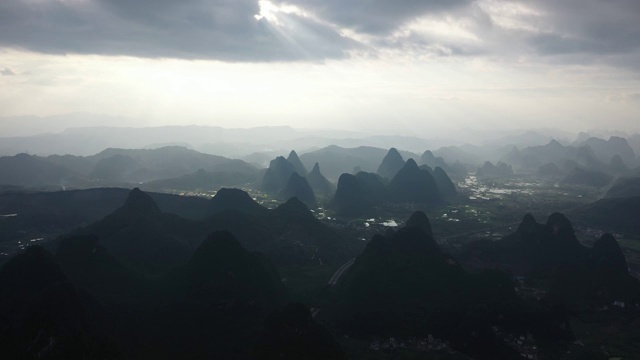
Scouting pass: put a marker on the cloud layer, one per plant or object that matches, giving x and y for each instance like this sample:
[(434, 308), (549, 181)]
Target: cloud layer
[(568, 31), (206, 29), (7, 72)]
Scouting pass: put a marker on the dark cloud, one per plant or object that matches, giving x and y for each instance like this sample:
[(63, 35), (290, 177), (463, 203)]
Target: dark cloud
[(7, 72), (573, 31), (217, 29), (597, 27)]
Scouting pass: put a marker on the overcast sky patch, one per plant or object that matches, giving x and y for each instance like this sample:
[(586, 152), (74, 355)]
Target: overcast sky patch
[(7, 72)]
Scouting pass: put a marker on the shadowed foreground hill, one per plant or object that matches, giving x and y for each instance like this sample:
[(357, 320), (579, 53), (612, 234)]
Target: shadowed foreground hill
[(533, 249), (89, 266), (625, 187), (221, 268), (614, 215), (48, 215), (288, 234), (211, 307), (144, 237), (234, 199), (150, 241), (403, 285), (551, 256), (43, 316), (293, 334), (600, 280)]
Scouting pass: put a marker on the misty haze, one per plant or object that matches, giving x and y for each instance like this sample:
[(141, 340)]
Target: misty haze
[(320, 179)]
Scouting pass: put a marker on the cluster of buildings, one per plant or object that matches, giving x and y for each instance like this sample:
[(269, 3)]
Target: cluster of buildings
[(527, 291), (427, 344), (525, 345)]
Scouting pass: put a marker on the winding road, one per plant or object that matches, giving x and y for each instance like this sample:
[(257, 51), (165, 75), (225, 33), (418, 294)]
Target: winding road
[(336, 276)]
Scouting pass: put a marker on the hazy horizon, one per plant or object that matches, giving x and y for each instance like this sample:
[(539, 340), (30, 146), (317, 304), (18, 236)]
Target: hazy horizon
[(34, 125)]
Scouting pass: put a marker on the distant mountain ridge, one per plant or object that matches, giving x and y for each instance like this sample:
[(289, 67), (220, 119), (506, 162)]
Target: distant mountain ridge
[(361, 194), (113, 167), (336, 160)]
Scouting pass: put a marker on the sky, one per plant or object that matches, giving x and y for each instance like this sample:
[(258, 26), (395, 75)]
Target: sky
[(412, 67)]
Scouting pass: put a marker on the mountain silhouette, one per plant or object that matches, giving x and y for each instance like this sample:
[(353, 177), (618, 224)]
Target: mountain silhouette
[(139, 202), (391, 164), (289, 234), (297, 164), (234, 199), (617, 165), (489, 170), (293, 334), (455, 171), (225, 175), (300, 236), (141, 236), (338, 160), (607, 254), (44, 316), (605, 150), (374, 186), (582, 176), (118, 168), (351, 198), (89, 266), (445, 186), (277, 175), (549, 170), (431, 160), (212, 306), (420, 219), (221, 268), (533, 248), (404, 284), (298, 187), (114, 167), (28, 170), (414, 185), (600, 280), (319, 184), (624, 187), (531, 158)]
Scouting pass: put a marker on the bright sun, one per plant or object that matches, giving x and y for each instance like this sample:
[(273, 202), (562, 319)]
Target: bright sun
[(267, 11)]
